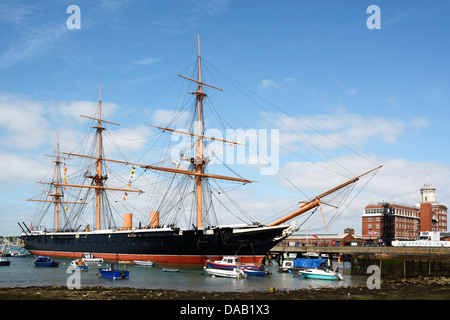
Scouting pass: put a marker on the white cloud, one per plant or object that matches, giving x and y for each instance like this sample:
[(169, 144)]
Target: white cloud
[(129, 139), (29, 124), (146, 61), (36, 42), (24, 123), (271, 84), (392, 101), (267, 83), (420, 123), (163, 117), (331, 131), (20, 168)]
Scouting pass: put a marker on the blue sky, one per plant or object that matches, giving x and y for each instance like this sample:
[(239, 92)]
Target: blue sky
[(385, 91)]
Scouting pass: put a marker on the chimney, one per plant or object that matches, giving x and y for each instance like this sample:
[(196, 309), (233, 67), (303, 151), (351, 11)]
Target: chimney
[(154, 219)]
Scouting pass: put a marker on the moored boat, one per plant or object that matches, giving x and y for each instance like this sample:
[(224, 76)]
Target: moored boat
[(18, 254), (236, 273), (89, 257), (147, 263), (113, 273), (321, 273), (299, 264), (43, 261), (78, 265), (233, 262), (4, 262), (252, 272)]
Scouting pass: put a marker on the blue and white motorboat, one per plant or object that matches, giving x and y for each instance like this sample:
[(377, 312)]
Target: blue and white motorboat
[(113, 273), (4, 262), (259, 272), (78, 265), (43, 261), (321, 273), (18, 254), (300, 264)]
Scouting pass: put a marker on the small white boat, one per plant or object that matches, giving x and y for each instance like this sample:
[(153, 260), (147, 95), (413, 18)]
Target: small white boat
[(232, 262), (147, 263), (89, 257), (236, 273), (78, 265), (312, 255), (321, 273)]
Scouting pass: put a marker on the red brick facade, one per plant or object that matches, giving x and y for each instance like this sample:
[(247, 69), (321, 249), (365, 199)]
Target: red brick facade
[(404, 222)]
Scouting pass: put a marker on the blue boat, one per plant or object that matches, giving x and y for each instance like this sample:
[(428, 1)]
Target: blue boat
[(252, 272), (4, 262), (43, 261), (114, 273)]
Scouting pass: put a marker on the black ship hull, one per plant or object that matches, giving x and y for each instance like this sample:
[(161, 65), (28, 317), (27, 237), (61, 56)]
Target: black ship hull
[(164, 245)]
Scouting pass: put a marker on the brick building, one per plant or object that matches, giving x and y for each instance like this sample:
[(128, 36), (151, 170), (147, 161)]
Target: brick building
[(341, 239), (387, 221)]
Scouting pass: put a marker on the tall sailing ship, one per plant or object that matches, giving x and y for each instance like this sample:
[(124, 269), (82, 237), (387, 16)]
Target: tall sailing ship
[(164, 243)]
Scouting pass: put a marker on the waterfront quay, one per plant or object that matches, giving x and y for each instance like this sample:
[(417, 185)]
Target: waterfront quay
[(394, 262)]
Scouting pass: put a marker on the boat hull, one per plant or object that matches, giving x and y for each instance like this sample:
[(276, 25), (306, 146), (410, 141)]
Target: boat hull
[(5, 263), (165, 245), (114, 274), (255, 267), (146, 263), (226, 273), (320, 274)]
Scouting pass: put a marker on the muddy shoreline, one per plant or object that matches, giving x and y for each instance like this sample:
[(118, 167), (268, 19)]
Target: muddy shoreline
[(422, 288)]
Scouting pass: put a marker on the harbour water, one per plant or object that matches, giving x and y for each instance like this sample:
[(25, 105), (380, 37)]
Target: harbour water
[(23, 273)]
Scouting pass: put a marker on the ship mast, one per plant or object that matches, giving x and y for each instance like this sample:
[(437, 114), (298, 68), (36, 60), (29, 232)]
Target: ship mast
[(199, 157), (56, 197), (99, 178), (199, 150)]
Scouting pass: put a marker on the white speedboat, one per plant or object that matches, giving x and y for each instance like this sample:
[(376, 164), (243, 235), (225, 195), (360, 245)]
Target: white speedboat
[(227, 273), (89, 257), (232, 262), (321, 273), (147, 263)]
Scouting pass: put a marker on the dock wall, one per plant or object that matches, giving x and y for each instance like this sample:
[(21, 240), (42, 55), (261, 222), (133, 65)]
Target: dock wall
[(394, 262)]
